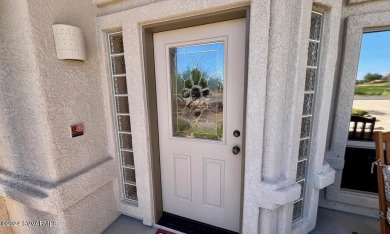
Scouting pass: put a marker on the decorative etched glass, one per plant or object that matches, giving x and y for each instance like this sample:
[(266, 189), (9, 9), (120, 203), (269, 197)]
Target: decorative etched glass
[(312, 54), (307, 104), (315, 26), (127, 158), (116, 43), (303, 149), (124, 123), (120, 85), (310, 79), (131, 192), (118, 65), (197, 81)]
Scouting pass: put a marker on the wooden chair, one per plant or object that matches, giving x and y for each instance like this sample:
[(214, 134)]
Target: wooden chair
[(383, 158), (365, 133)]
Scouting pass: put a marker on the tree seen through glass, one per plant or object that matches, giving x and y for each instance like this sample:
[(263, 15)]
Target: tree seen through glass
[(197, 80), (371, 105)]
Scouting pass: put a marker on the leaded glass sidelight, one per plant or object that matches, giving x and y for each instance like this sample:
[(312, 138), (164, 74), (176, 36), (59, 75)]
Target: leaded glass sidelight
[(308, 110), (122, 116), (197, 81)]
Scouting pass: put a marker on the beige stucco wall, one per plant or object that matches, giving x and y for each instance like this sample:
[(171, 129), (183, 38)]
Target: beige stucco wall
[(25, 139), (71, 89), (46, 174)]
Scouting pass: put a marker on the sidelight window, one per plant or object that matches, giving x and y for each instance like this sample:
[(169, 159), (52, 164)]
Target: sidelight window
[(122, 115), (308, 109)]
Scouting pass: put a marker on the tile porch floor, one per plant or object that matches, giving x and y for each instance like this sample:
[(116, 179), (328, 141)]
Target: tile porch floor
[(328, 221)]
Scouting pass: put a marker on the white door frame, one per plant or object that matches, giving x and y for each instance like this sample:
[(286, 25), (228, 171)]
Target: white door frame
[(200, 152), (148, 31)]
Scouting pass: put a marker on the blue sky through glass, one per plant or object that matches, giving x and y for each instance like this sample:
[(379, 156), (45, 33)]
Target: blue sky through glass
[(374, 54), (209, 58)]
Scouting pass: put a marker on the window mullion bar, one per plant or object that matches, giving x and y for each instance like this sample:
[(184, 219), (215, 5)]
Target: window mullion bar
[(118, 75), (117, 54)]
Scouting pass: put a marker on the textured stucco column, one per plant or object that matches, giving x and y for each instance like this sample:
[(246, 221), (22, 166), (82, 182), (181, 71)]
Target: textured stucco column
[(275, 159), (25, 141), (267, 189)]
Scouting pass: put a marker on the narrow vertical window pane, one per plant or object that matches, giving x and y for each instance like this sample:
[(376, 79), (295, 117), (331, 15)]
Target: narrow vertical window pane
[(120, 85), (118, 65), (124, 123), (303, 149), (302, 183), (116, 43), (307, 104), (301, 172), (122, 117), (310, 79), (312, 54), (127, 158), (315, 26), (305, 127), (129, 175), (122, 105), (126, 141), (131, 192), (298, 210)]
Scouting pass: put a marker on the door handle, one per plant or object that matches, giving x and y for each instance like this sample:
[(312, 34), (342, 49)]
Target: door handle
[(236, 150)]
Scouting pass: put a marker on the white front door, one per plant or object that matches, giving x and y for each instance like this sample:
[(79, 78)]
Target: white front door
[(200, 98)]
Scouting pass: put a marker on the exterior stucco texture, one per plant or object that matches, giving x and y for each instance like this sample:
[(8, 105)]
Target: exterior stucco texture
[(47, 175)]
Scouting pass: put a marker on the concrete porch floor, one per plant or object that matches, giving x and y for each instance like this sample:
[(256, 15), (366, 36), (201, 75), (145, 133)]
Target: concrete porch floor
[(328, 221)]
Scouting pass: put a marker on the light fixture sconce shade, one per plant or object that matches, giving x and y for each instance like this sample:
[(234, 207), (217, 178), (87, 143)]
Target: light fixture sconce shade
[(69, 42)]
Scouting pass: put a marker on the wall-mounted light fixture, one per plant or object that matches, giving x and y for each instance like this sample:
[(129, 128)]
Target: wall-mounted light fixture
[(69, 42)]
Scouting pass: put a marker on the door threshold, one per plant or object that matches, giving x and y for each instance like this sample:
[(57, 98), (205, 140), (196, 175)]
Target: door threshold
[(189, 226)]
